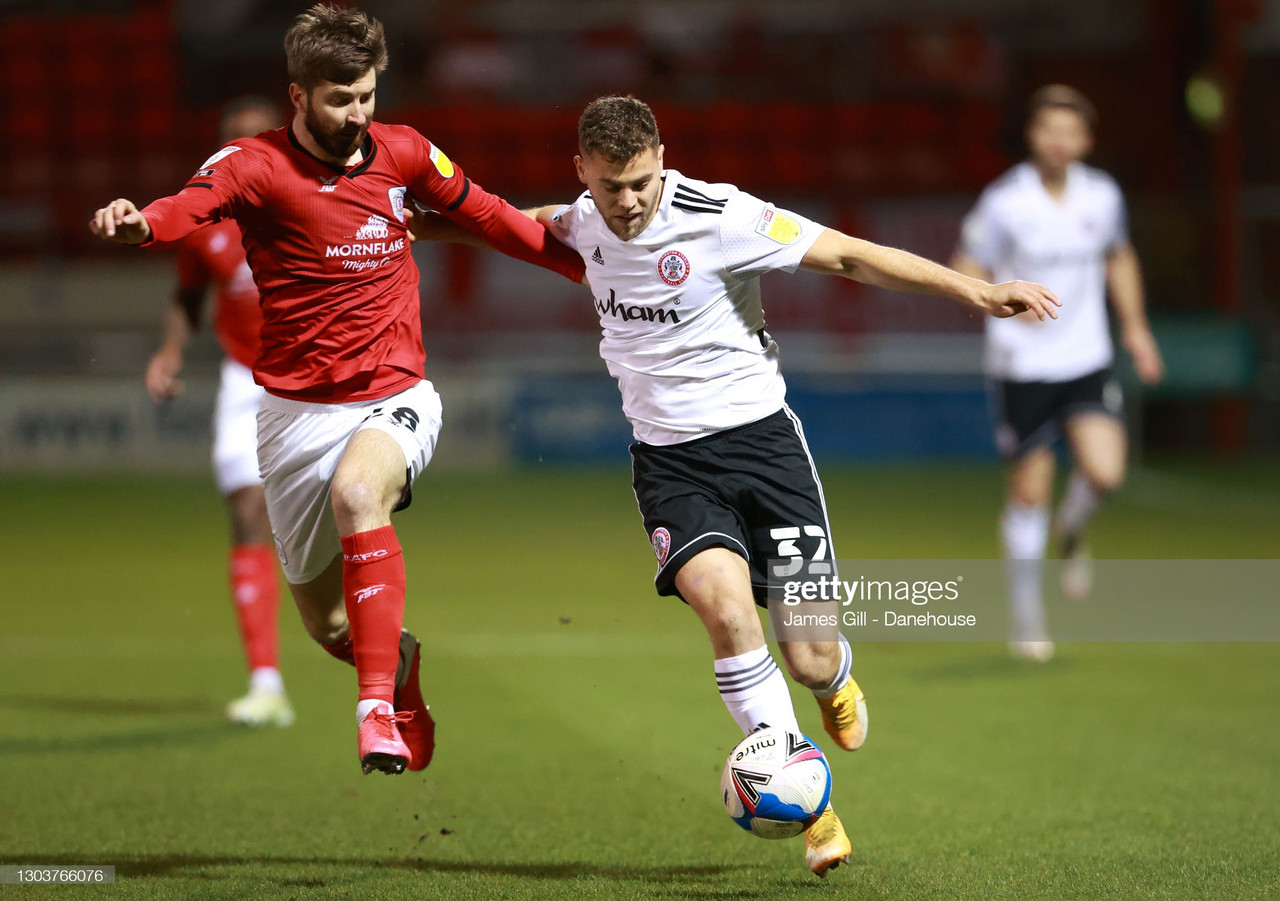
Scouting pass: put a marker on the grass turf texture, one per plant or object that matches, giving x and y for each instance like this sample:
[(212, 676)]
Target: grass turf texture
[(580, 733)]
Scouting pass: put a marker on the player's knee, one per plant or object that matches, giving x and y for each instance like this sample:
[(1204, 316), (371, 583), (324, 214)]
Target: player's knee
[(730, 619), (356, 499), (1107, 482), (1029, 499), (724, 613)]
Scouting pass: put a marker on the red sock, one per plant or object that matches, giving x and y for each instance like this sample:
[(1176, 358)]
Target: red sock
[(255, 590), (373, 589), (344, 649)]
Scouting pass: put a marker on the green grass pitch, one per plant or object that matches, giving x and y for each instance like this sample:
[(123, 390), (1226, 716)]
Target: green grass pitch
[(580, 734)]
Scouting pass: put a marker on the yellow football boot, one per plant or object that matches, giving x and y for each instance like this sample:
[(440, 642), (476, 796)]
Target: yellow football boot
[(844, 716), (825, 844)]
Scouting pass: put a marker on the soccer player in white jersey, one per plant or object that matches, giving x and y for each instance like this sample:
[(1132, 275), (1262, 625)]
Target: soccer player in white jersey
[(722, 474), (1061, 223)]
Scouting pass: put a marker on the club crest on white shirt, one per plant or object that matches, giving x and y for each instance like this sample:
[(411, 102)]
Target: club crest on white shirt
[(673, 267)]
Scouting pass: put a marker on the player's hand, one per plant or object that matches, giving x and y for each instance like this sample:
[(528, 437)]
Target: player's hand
[(428, 225), (417, 223), (121, 222), (1147, 362), (162, 374), (1011, 298)]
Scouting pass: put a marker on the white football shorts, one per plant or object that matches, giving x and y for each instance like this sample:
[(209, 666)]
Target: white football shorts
[(299, 446), (235, 428)]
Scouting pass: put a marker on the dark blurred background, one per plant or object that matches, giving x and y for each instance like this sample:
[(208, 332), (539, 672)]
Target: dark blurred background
[(882, 118)]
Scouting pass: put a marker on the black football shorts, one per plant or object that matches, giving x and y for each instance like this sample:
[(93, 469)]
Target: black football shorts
[(1028, 415), (752, 489)]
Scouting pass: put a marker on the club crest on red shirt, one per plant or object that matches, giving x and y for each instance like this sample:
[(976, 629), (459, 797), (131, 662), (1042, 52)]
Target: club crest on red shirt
[(396, 196)]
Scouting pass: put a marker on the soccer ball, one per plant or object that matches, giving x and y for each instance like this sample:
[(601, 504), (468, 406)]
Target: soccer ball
[(775, 783)]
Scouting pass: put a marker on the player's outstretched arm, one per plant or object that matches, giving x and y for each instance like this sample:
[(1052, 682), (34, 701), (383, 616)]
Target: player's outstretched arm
[(504, 228), (543, 214), (120, 221), (427, 225), (835, 253)]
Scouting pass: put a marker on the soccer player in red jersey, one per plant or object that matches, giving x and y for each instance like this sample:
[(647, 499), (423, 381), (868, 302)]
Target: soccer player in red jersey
[(348, 420), (213, 258)]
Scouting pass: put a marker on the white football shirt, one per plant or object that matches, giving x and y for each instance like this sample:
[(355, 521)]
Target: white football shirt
[(1018, 231), (679, 304)]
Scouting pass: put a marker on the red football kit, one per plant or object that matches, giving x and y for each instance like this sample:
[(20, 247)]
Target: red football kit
[(329, 250), (213, 256)]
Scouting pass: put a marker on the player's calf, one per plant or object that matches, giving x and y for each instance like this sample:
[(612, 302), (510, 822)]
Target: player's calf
[(824, 667)]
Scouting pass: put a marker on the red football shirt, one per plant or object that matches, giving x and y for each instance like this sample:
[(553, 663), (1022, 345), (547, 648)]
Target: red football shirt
[(213, 257), (329, 252)]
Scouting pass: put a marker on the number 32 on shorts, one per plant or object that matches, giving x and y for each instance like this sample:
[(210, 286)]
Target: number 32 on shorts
[(787, 536)]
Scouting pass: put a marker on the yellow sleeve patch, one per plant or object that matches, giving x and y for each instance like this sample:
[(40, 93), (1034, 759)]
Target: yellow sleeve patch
[(784, 229), (443, 165), (777, 227)]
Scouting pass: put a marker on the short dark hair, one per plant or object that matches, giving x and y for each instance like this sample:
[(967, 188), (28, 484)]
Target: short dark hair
[(617, 129), (329, 43), (1061, 96)]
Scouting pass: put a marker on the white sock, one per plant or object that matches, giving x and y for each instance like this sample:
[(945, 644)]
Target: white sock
[(266, 679), (1079, 503), (365, 707), (841, 677), (754, 690), (1024, 532)]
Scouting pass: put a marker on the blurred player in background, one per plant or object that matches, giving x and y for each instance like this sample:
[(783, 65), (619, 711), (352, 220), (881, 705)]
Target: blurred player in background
[(722, 473), (1056, 221), (213, 258), (348, 421)]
